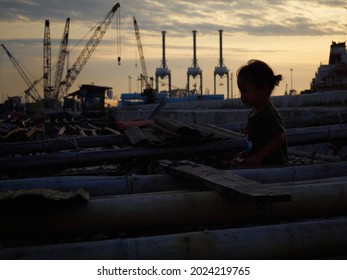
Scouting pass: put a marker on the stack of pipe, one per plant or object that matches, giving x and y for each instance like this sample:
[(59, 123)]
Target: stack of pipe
[(295, 137), (212, 226)]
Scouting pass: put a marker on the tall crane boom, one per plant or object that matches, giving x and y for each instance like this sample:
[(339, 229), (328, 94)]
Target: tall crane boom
[(31, 91), (82, 59), (47, 82), (142, 57), (61, 60)]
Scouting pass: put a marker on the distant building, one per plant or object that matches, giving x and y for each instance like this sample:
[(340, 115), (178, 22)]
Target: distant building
[(334, 75)]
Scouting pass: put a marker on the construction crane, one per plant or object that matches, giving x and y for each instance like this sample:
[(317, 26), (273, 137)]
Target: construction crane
[(144, 75), (31, 91), (60, 61), (148, 92), (47, 82), (82, 59)]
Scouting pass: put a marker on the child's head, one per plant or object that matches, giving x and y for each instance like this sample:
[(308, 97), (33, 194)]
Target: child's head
[(256, 81)]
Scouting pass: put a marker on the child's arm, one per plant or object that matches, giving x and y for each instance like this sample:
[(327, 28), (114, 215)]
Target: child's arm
[(270, 148)]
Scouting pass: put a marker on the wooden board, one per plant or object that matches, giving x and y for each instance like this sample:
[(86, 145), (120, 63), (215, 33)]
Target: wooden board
[(135, 135), (226, 183)]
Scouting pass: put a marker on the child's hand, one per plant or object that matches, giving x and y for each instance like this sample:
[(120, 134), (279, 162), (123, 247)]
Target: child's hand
[(238, 159)]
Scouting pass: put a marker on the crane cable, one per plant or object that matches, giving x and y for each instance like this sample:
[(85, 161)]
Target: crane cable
[(119, 37)]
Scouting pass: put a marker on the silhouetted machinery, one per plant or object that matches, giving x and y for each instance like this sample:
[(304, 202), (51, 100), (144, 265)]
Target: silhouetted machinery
[(148, 90)]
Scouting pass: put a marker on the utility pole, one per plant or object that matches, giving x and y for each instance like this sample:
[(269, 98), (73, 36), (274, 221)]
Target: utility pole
[(291, 80)]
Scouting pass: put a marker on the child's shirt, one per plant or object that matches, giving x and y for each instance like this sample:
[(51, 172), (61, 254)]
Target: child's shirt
[(260, 129)]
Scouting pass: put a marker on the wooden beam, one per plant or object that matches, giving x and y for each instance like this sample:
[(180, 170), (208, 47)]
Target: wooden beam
[(226, 182)]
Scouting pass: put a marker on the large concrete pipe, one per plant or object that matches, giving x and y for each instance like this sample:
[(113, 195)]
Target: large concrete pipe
[(91, 158), (304, 240), (58, 144), (102, 185), (114, 185), (153, 211)]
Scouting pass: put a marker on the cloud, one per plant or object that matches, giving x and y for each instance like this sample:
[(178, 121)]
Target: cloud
[(271, 17)]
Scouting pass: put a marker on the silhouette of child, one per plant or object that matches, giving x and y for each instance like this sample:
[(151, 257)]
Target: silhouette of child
[(265, 134)]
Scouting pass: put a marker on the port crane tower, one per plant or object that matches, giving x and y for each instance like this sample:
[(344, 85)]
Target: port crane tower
[(194, 70), (84, 56), (163, 70), (221, 69)]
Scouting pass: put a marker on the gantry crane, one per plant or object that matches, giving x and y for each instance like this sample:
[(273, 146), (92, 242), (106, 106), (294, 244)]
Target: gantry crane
[(194, 70), (47, 81), (31, 91), (60, 61), (221, 69), (163, 70), (82, 59)]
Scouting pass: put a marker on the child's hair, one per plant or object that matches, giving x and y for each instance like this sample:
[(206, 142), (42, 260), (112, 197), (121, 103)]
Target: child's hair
[(259, 74)]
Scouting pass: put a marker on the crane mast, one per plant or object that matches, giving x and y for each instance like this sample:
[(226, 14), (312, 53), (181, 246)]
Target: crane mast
[(31, 91), (47, 82), (144, 75), (82, 59), (61, 60)]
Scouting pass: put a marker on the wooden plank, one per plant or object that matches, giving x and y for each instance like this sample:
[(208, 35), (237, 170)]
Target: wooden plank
[(226, 183), (135, 135)]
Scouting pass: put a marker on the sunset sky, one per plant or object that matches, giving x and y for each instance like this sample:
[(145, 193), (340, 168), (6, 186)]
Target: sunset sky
[(286, 34)]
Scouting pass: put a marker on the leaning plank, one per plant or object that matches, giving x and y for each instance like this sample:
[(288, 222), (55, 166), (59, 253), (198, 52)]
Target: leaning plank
[(226, 182), (135, 135)]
